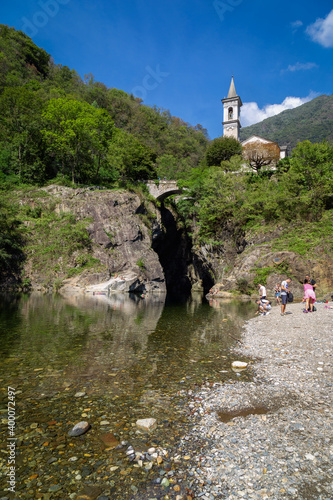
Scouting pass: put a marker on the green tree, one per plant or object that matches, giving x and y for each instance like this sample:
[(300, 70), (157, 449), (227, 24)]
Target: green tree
[(19, 127), (309, 180), (11, 240), (233, 165), (77, 136), (222, 149), (133, 160)]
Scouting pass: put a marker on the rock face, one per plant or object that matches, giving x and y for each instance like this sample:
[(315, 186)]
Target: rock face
[(244, 265), (120, 241), (136, 246)]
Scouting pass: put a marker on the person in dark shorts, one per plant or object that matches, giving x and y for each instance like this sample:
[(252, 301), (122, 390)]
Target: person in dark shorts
[(284, 295)]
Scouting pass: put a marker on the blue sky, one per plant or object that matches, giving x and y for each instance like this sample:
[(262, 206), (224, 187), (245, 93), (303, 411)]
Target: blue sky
[(180, 55)]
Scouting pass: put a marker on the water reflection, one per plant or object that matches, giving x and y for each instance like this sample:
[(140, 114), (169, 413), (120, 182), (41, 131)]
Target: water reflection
[(116, 344), (131, 356)]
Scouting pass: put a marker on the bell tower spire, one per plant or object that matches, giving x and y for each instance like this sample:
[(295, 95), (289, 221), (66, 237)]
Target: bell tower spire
[(231, 112)]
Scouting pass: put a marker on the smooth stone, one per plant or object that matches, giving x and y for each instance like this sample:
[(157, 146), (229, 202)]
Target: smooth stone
[(54, 487), (146, 424), (79, 394), (239, 365), (104, 422), (79, 429), (165, 482)]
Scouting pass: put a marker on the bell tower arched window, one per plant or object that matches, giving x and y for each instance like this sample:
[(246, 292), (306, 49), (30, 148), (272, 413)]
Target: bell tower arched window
[(230, 113)]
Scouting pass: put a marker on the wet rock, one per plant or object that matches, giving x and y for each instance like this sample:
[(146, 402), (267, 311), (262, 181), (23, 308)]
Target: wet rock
[(146, 424), (79, 429), (54, 488), (109, 440), (89, 493), (104, 422), (79, 394)]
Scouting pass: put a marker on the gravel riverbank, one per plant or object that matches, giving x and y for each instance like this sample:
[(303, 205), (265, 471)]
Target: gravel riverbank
[(283, 447)]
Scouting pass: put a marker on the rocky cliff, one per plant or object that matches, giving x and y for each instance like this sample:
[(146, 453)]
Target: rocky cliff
[(97, 240), (240, 268), (133, 245)]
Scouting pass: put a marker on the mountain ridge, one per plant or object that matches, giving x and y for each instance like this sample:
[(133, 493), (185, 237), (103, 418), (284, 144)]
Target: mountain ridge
[(311, 121)]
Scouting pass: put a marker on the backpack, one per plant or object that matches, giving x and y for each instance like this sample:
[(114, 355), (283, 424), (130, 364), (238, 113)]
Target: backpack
[(290, 297)]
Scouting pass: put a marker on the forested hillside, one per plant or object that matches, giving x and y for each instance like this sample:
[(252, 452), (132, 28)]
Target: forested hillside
[(312, 121), (55, 124)]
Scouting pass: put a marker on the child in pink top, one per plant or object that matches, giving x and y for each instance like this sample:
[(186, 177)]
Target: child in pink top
[(309, 296)]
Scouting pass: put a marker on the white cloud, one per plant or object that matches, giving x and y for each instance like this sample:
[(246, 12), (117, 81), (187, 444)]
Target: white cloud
[(322, 31), (251, 113), (296, 24), (301, 66)]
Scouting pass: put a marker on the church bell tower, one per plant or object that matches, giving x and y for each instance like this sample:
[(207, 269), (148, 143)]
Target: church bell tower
[(231, 113)]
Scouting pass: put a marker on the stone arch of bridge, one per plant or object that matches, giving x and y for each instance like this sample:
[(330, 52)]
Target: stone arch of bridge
[(163, 189)]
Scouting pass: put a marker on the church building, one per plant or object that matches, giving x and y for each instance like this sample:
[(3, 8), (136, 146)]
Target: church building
[(231, 121)]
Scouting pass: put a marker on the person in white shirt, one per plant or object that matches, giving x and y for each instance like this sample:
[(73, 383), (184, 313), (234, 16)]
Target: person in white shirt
[(264, 306), (284, 295), (262, 291)]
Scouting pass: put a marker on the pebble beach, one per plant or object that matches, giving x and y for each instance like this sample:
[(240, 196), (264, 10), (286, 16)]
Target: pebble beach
[(271, 437)]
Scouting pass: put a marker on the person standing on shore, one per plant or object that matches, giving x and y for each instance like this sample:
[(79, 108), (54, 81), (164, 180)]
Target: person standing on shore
[(277, 291), (284, 295), (312, 282), (262, 291)]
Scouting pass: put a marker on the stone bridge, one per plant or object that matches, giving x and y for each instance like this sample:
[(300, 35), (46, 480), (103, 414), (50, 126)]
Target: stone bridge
[(162, 189)]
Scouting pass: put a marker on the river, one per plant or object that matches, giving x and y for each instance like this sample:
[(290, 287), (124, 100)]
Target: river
[(128, 358)]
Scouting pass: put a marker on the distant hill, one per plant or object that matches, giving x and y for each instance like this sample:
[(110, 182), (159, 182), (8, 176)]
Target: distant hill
[(312, 121)]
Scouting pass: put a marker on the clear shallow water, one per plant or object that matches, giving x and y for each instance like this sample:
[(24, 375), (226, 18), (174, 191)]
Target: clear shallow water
[(134, 358)]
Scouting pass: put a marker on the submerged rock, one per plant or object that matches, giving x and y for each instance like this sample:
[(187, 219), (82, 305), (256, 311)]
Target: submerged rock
[(79, 429), (109, 440), (79, 395), (146, 424)]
